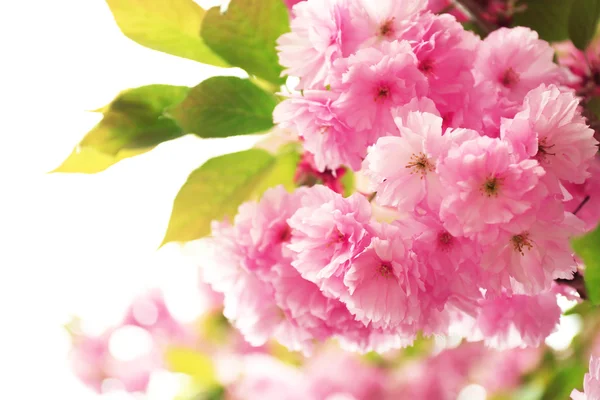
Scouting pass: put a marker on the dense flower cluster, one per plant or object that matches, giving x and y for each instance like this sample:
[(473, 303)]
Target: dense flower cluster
[(477, 145)]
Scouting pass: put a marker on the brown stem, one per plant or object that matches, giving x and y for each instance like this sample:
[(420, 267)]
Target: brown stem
[(476, 12)]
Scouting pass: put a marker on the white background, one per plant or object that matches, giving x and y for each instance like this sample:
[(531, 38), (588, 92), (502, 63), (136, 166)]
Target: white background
[(75, 244)]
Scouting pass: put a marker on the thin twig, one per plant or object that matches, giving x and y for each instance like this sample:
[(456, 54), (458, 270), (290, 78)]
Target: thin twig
[(580, 206), (476, 12)]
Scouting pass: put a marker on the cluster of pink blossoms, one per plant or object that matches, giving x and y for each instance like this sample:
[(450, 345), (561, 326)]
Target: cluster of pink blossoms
[(472, 143)]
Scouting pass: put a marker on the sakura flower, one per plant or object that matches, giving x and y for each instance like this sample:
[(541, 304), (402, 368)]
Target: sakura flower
[(584, 65), (402, 170), (385, 19), (93, 363), (375, 80), (518, 320), (384, 283), (334, 372), (454, 276), (591, 383), (530, 258), (150, 312), (551, 130), (485, 187), (319, 35), (516, 61), (327, 232), (445, 53), (326, 133)]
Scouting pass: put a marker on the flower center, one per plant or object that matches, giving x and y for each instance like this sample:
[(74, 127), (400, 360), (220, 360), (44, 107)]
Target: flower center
[(510, 78), (420, 164), (426, 67), (382, 93), (336, 237), (491, 187), (521, 241), (445, 240), (544, 150), (286, 234), (385, 270), (387, 28)]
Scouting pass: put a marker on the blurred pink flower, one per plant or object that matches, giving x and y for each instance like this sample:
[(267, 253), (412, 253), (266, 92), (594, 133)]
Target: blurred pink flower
[(591, 383)]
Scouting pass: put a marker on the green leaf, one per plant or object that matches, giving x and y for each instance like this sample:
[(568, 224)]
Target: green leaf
[(348, 182), (133, 124), (198, 366), (594, 106), (588, 249), (172, 27), (583, 22), (548, 17), (245, 35), (225, 106), (217, 188), (563, 382)]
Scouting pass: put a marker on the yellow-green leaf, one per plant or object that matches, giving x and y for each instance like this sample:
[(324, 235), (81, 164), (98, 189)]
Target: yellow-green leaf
[(197, 365), (588, 248), (225, 106), (172, 27), (246, 33), (216, 189), (132, 124)]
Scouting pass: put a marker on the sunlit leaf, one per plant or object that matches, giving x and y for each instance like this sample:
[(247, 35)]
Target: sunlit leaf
[(225, 106), (245, 35), (133, 123), (588, 248), (172, 27), (583, 22), (217, 188)]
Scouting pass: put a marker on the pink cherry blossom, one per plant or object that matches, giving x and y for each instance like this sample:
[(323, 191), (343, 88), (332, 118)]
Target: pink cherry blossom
[(516, 61), (326, 133), (327, 232), (93, 363), (529, 258), (402, 170), (375, 80), (335, 372), (384, 283), (583, 65), (445, 54), (385, 19), (518, 320), (150, 312), (591, 383), (320, 34), (486, 187), (551, 130)]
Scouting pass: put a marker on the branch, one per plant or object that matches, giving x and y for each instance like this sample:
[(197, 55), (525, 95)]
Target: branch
[(580, 206), (476, 12)]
